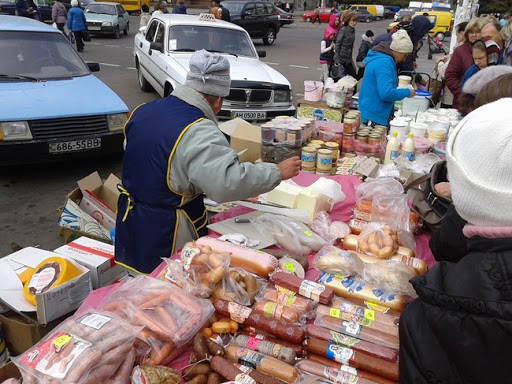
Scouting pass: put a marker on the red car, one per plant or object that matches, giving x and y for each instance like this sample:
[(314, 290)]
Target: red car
[(325, 14)]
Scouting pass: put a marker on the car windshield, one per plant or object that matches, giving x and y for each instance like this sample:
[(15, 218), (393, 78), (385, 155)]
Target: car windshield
[(234, 8), (188, 38), (39, 55), (101, 8)]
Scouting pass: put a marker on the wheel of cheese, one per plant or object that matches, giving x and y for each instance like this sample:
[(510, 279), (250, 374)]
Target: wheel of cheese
[(50, 273)]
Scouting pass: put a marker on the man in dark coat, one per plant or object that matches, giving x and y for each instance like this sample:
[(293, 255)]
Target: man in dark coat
[(459, 330)]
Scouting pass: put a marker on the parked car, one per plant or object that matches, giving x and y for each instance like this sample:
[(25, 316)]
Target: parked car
[(107, 18), (365, 16), (389, 14), (259, 18), (405, 12), (443, 23), (51, 106), (8, 7), (325, 14), (284, 17), (162, 52), (376, 10), (84, 3)]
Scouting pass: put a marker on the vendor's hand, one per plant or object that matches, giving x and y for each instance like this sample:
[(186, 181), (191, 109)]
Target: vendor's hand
[(412, 92), (289, 167), (443, 189)]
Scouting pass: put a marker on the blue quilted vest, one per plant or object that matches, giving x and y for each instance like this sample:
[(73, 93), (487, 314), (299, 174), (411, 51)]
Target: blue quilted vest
[(147, 219)]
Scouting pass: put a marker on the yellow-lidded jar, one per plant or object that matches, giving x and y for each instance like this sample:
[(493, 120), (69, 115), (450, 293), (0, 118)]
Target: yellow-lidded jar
[(324, 160), (308, 157)]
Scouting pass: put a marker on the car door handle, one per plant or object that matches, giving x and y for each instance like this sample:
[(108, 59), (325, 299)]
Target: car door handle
[(140, 44)]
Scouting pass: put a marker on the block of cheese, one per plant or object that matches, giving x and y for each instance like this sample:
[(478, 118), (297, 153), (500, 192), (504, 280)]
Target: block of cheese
[(50, 273), (284, 194), (313, 202)]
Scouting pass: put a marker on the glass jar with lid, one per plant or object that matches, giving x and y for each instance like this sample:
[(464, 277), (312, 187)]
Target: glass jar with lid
[(335, 149), (268, 133), (294, 136), (308, 157), (324, 160), (349, 125)]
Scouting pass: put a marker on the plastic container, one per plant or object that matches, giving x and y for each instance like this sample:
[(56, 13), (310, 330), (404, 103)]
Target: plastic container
[(398, 126), (294, 136), (440, 149), (404, 81), (280, 133), (408, 147), (418, 103), (436, 135), (313, 90), (392, 148), (335, 97), (422, 144), (418, 129), (324, 160), (267, 133)]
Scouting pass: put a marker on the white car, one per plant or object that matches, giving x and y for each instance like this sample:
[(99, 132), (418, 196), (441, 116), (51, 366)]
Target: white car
[(163, 49)]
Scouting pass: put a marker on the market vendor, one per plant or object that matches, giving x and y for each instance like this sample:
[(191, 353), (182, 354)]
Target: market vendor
[(175, 152), (379, 88)]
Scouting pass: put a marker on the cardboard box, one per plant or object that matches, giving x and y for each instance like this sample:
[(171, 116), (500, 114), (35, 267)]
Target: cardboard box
[(245, 139), (9, 371), (50, 305), (22, 332), (99, 198), (97, 257), (73, 217)]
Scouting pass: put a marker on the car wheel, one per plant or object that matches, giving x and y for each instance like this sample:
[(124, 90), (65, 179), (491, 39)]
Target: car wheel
[(440, 36), (367, 20), (143, 83), (308, 19), (126, 29), (271, 36), (117, 33)]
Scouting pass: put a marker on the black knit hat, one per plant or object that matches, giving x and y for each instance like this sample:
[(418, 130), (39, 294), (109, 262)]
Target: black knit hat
[(369, 33)]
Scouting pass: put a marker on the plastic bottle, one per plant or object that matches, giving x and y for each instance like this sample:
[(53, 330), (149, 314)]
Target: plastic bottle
[(408, 147), (392, 149)]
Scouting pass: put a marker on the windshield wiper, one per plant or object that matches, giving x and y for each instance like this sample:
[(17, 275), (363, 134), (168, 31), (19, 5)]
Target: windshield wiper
[(20, 77), (227, 53), (184, 50)]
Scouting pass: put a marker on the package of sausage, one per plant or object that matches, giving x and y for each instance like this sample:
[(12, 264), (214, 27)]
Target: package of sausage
[(88, 348), (284, 304), (170, 317)]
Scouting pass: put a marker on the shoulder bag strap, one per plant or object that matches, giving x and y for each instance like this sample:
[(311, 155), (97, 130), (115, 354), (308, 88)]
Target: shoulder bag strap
[(418, 181)]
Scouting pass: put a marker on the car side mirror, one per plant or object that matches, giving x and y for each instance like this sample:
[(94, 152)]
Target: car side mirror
[(157, 46), (262, 53), (93, 67), (247, 13)]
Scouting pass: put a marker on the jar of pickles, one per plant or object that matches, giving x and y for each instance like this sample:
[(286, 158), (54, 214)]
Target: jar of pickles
[(362, 136), (349, 125), (348, 145), (374, 138)]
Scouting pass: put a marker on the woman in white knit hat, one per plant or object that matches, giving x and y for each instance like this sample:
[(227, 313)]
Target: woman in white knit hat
[(459, 330), (379, 88)]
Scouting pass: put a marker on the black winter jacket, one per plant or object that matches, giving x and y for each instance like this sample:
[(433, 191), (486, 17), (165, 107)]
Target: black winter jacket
[(344, 45), (365, 46), (448, 242), (459, 330)]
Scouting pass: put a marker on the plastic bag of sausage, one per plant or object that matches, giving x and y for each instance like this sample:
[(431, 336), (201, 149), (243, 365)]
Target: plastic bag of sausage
[(88, 348), (239, 286), (170, 317)]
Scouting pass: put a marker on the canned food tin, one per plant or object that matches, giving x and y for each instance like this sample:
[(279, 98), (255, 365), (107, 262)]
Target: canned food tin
[(324, 160), (308, 157)]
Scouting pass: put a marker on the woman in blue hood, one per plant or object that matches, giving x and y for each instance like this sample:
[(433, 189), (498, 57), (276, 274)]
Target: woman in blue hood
[(379, 88)]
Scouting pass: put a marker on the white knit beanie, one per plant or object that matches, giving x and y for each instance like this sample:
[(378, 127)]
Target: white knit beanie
[(209, 73), (479, 158), (476, 82), (401, 42)]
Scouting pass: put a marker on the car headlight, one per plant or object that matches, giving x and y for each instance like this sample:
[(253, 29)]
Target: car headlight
[(117, 121), (15, 130), (106, 24), (281, 96)]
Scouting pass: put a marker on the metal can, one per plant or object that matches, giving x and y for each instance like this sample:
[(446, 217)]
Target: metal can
[(324, 160), (308, 157), (349, 125)]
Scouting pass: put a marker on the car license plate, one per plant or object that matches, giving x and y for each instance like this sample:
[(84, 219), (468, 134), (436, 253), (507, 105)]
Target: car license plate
[(75, 146), (94, 28), (250, 115)]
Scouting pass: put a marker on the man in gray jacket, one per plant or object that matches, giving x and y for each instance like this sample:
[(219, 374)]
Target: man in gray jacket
[(175, 152)]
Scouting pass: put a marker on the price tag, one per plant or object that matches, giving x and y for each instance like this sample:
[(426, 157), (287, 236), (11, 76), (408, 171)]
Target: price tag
[(308, 233), (369, 314), (252, 343), (335, 312), (61, 341), (289, 267)]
